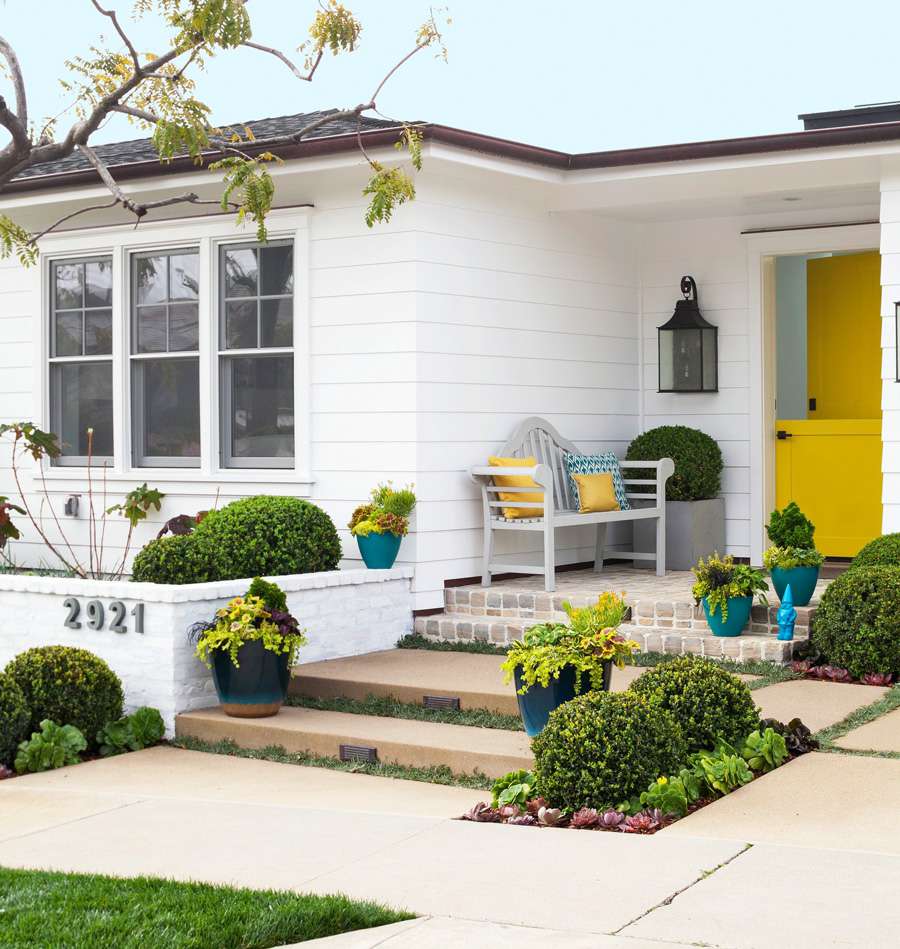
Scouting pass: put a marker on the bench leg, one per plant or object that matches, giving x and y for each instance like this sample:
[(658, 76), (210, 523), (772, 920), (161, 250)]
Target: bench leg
[(488, 554), (661, 546), (601, 543), (549, 557)]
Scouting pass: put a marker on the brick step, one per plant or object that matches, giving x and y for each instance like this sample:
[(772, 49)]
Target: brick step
[(694, 638), (463, 749)]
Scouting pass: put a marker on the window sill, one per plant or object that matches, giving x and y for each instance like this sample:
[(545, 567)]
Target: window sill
[(180, 481)]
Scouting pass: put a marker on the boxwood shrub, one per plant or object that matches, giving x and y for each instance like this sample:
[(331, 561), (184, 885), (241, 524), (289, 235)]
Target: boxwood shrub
[(14, 718), (269, 536), (706, 701), (697, 457), (857, 624), (880, 552), (180, 558), (602, 748), (68, 685)]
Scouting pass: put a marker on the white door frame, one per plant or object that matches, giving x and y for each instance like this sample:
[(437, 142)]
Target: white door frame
[(760, 249)]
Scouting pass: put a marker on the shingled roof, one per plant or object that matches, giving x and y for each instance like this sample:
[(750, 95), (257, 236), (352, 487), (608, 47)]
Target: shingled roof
[(274, 129)]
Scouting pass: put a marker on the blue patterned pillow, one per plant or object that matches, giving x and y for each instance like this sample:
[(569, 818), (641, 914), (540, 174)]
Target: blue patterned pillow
[(605, 463)]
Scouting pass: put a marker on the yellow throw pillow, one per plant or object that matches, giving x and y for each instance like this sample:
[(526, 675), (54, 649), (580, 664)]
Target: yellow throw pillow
[(596, 492), (517, 481)]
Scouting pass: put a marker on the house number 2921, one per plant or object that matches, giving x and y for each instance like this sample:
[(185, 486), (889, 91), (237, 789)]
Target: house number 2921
[(96, 615)]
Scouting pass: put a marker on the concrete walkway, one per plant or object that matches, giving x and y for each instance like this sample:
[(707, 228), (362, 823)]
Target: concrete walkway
[(708, 880)]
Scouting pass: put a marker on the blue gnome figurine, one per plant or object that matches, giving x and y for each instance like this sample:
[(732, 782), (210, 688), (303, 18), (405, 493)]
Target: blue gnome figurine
[(787, 615)]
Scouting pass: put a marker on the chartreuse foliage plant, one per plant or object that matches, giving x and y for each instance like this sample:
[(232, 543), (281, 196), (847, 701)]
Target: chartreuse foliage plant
[(764, 750), (587, 644), (723, 769), (141, 729), (517, 787), (54, 746), (387, 512), (791, 534), (708, 703), (720, 579), (697, 457)]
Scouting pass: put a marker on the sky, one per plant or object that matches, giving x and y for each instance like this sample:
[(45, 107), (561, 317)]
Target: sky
[(576, 75)]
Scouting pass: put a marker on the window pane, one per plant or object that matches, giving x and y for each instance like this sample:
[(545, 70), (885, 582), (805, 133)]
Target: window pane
[(276, 322), (277, 267), (150, 279), (240, 325), (97, 332), (98, 283), (183, 276), (262, 407), (167, 408), (183, 327), (151, 329), (69, 286), (68, 333), (240, 272), (81, 398)]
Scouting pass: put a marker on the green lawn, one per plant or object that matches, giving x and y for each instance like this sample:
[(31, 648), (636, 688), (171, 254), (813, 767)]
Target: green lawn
[(65, 910)]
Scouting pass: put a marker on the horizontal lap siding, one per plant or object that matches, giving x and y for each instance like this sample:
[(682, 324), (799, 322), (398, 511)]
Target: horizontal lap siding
[(713, 252)]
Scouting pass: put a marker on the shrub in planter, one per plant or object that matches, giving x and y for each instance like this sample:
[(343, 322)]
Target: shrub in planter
[(381, 524), (880, 552), (697, 457), (14, 718), (708, 703), (857, 624), (726, 590), (267, 535), (792, 558), (54, 746), (67, 685), (180, 558), (605, 747)]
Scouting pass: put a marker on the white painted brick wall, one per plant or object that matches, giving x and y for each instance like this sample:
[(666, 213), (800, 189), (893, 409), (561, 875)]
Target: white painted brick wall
[(345, 613)]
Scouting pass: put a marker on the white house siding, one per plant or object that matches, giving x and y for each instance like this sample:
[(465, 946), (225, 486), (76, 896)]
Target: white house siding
[(890, 399), (519, 312)]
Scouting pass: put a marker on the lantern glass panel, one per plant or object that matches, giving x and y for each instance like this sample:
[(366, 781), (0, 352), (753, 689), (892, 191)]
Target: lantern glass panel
[(710, 379), (687, 366), (666, 360)]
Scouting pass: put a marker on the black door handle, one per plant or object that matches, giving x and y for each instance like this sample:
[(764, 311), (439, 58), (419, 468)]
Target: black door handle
[(781, 434)]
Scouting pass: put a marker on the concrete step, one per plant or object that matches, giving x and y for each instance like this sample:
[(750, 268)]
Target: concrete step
[(691, 635), (463, 749)]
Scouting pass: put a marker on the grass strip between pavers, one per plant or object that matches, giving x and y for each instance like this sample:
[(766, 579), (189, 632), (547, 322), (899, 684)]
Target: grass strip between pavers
[(389, 707), (39, 909), (858, 717), (436, 774)]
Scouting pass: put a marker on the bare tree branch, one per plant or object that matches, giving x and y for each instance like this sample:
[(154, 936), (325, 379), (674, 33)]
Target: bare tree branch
[(122, 34), (68, 217), (303, 77), (137, 113), (109, 181), (15, 71)]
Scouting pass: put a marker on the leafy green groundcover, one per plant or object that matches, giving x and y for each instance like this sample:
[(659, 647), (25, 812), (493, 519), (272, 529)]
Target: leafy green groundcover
[(75, 910)]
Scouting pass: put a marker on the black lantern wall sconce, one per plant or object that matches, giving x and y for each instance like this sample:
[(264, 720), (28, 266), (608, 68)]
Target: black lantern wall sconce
[(688, 347)]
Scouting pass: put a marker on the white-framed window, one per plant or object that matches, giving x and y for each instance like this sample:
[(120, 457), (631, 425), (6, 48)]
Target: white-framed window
[(164, 359), (80, 357), (256, 355)]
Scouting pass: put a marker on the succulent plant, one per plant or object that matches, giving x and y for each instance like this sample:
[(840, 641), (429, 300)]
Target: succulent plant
[(525, 820), (642, 823), (535, 804), (877, 678), (584, 818), (508, 811), (796, 735), (611, 818), (6, 772), (550, 817), (482, 813), (801, 666)]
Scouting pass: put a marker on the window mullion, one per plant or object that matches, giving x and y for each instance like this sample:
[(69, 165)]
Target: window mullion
[(206, 333)]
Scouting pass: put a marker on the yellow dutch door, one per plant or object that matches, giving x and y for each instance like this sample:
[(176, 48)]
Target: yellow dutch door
[(830, 462)]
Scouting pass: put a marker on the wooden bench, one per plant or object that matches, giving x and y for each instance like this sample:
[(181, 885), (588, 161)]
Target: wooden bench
[(537, 438)]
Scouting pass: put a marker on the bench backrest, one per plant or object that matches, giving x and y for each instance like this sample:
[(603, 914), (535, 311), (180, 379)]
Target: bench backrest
[(536, 437)]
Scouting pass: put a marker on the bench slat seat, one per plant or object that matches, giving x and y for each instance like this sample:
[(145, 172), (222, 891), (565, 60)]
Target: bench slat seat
[(537, 438)]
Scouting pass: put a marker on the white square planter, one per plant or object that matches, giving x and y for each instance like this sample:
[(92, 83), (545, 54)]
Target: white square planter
[(145, 637), (694, 529)]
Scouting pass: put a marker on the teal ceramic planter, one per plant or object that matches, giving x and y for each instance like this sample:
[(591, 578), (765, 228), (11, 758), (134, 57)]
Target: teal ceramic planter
[(539, 701), (738, 616), (255, 689), (802, 580), (379, 551)]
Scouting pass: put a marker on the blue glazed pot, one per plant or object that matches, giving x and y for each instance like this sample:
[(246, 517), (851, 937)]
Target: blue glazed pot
[(255, 689), (802, 580), (379, 551), (539, 701), (738, 616)]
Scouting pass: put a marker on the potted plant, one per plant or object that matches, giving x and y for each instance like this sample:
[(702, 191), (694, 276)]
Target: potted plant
[(726, 590), (695, 512), (380, 525), (554, 662), (792, 558), (250, 647)]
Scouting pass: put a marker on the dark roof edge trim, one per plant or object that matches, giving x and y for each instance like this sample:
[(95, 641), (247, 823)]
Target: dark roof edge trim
[(505, 148)]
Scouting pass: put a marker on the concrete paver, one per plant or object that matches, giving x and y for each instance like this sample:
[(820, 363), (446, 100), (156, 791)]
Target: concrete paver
[(26, 810), (818, 800), (818, 704), (881, 735)]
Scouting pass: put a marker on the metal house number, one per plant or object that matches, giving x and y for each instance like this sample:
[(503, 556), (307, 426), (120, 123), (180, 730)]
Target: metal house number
[(96, 615)]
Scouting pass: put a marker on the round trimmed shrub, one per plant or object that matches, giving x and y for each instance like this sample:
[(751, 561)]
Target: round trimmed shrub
[(880, 552), (180, 558), (857, 624), (269, 536), (697, 457), (68, 685), (603, 748), (706, 701), (14, 718)]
